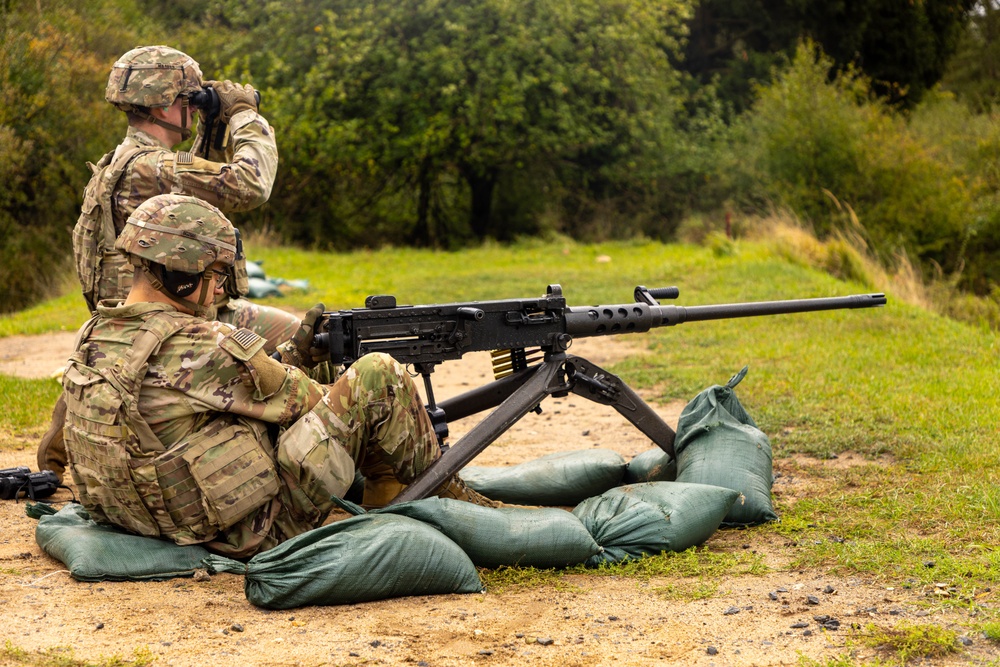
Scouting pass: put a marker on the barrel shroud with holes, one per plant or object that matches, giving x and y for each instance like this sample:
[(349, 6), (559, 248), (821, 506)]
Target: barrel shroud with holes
[(529, 340)]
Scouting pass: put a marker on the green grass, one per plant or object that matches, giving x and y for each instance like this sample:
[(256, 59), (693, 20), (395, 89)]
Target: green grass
[(912, 391), (63, 657), (27, 406)]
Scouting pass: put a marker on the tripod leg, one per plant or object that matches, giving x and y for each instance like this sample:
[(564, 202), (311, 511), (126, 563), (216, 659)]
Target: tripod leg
[(545, 379), (593, 382)]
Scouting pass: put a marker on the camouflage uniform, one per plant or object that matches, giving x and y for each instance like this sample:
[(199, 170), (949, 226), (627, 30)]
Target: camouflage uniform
[(183, 428), (215, 474)]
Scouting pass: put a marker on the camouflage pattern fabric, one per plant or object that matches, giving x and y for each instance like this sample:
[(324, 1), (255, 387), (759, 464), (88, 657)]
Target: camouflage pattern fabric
[(213, 474), (273, 324), (152, 76), (240, 180)]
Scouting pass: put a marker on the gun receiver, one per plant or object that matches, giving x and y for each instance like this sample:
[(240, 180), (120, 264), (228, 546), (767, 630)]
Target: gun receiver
[(426, 335)]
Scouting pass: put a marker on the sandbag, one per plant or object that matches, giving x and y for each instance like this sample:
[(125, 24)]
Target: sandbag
[(719, 443), (259, 288), (652, 465), (255, 270), (542, 538), (564, 478), (364, 558), (647, 519), (99, 552)]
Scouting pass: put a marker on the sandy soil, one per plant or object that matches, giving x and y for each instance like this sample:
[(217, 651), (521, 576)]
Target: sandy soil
[(773, 619)]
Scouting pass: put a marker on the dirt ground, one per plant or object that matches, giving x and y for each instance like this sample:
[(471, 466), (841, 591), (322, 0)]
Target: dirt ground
[(775, 619)]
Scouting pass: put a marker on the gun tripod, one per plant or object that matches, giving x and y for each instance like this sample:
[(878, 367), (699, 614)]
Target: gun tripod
[(515, 396)]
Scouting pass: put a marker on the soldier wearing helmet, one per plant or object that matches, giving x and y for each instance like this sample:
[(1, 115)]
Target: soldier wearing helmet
[(184, 428), (153, 86)]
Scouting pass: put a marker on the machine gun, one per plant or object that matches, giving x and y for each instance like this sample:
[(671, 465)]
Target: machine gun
[(534, 336)]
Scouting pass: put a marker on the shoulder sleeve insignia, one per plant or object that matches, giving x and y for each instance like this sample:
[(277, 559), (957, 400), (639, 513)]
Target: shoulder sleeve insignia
[(242, 344), (185, 157)]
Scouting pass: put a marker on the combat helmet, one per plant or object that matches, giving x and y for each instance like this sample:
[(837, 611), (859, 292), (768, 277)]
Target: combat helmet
[(174, 239), (153, 76)]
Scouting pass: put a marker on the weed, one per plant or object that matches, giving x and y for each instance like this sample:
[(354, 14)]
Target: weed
[(63, 657), (991, 631), (909, 641)]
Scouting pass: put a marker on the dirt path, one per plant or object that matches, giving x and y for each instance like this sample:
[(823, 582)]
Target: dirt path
[(590, 620)]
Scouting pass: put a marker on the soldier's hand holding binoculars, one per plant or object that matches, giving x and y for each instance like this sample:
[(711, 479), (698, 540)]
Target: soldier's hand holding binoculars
[(233, 98)]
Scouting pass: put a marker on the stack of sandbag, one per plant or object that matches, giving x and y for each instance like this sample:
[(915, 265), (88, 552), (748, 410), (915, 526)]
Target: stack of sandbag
[(718, 443), (260, 286), (543, 537)]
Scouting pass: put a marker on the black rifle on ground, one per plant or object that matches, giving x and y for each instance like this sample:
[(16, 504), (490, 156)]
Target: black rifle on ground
[(529, 339)]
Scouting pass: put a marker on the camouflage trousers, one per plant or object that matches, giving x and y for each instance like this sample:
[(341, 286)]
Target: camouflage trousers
[(373, 420)]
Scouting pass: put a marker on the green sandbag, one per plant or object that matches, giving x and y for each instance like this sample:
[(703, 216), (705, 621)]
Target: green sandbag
[(542, 538), (647, 519), (564, 478), (718, 443), (97, 552), (652, 465), (364, 558)]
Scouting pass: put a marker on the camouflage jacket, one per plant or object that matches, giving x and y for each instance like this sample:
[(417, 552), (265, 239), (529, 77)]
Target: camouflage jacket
[(238, 178), (173, 440)]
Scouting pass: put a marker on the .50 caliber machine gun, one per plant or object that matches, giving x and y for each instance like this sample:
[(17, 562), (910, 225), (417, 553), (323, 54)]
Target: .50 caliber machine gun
[(529, 339)]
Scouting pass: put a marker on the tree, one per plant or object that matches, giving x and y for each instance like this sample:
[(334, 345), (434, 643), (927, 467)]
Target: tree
[(974, 72), (54, 64), (903, 47), (429, 107)]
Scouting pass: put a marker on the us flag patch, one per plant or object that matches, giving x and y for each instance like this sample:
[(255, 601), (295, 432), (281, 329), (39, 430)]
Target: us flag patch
[(244, 338)]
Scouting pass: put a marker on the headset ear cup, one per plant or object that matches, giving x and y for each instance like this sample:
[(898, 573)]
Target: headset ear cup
[(180, 283)]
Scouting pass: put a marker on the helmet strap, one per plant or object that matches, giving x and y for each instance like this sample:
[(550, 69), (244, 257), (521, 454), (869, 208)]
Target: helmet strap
[(183, 129)]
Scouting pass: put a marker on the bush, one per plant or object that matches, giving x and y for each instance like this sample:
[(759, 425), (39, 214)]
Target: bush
[(828, 149)]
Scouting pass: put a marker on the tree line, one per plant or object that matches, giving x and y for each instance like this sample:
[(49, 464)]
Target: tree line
[(446, 122)]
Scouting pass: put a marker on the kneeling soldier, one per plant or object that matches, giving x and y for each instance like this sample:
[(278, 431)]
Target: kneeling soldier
[(184, 428)]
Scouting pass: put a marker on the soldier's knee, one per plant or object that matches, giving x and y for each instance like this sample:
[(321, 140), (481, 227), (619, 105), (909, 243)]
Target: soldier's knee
[(379, 368)]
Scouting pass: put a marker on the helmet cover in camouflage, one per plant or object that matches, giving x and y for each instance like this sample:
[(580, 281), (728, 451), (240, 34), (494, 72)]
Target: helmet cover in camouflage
[(181, 233), (152, 76)]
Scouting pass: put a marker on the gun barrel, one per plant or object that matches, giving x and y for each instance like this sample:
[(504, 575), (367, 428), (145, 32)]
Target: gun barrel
[(679, 314), (585, 321)]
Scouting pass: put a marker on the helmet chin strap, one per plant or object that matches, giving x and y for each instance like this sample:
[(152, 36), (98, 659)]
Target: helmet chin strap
[(183, 129)]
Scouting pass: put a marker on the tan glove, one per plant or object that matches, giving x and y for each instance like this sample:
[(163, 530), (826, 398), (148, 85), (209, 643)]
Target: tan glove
[(301, 351), (233, 98)]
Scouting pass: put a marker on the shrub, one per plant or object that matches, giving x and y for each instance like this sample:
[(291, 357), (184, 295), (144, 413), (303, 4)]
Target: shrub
[(827, 148)]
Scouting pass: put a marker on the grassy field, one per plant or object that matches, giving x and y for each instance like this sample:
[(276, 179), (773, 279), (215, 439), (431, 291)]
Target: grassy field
[(913, 392)]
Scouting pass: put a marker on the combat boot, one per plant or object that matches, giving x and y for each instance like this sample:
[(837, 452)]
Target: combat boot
[(457, 489), (381, 486), (52, 449)]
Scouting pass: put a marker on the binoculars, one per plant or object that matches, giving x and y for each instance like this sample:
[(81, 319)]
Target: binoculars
[(20, 481), (207, 100)]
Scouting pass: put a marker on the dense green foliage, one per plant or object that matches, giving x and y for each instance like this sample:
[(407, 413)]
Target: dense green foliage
[(436, 121), (974, 72), (53, 68), (902, 46), (446, 122)]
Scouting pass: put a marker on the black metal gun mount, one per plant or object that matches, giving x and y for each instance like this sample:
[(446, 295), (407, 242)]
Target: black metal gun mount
[(533, 336)]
